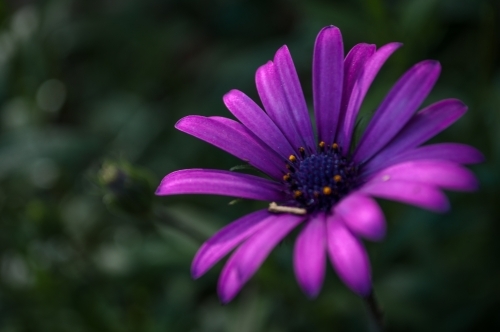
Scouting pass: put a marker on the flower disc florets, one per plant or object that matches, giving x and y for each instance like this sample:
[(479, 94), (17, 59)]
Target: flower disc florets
[(319, 180)]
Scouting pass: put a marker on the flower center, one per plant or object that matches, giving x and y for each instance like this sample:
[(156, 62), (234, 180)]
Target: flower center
[(318, 181)]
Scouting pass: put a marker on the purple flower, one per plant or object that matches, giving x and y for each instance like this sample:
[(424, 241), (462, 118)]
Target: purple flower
[(320, 183)]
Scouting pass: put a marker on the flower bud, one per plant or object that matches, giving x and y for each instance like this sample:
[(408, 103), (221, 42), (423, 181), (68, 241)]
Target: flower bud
[(127, 188)]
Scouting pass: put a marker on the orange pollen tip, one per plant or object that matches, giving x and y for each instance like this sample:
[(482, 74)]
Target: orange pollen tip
[(321, 144), (286, 177), (335, 146), (292, 158), (337, 178), (302, 150), (327, 190), (297, 193)]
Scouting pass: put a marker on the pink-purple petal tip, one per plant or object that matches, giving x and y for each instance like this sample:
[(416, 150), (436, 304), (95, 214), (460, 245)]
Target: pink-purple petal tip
[(328, 79), (443, 174), (309, 259), (363, 216), (422, 195), (397, 108), (249, 256), (225, 240), (217, 182), (349, 257)]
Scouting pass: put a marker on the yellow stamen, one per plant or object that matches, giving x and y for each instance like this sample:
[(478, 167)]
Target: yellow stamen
[(302, 151), (337, 178), (292, 158), (335, 146), (321, 144), (297, 194), (327, 190), (286, 177)]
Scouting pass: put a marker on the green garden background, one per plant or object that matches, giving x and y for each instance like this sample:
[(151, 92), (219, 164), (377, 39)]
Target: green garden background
[(90, 92)]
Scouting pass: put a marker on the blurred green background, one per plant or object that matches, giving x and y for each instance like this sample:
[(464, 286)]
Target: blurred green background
[(89, 94)]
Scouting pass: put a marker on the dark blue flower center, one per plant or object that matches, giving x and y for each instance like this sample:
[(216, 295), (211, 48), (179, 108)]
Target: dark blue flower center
[(318, 181)]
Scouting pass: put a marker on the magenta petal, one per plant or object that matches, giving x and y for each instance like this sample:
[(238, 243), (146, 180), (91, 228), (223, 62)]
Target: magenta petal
[(418, 194), (362, 215), (397, 108), (361, 86), (423, 126), (348, 257), (444, 174), (272, 96), (454, 152), (233, 137), (216, 182), (310, 255), (296, 103), (353, 65), (257, 121), (245, 261), (328, 72), (226, 239)]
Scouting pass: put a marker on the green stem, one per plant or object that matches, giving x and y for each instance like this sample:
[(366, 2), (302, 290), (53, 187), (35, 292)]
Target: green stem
[(376, 312)]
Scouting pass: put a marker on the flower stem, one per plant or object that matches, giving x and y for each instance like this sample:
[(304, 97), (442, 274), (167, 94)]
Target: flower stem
[(376, 312)]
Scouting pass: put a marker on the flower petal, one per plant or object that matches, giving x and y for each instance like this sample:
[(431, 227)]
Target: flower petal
[(361, 86), (226, 239), (424, 125), (348, 257), (397, 108), (257, 121), (353, 65), (362, 215), (296, 103), (444, 174), (272, 96), (234, 138), (328, 72), (414, 193), (454, 152), (245, 261), (216, 182), (310, 254)]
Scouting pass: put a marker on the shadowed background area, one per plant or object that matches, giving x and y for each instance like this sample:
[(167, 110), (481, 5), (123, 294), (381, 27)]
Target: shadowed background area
[(89, 95)]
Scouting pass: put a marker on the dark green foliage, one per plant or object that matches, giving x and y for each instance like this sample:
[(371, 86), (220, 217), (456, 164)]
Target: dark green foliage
[(86, 82)]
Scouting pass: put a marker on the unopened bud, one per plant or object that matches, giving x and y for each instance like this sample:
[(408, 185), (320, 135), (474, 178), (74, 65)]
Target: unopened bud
[(126, 188)]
